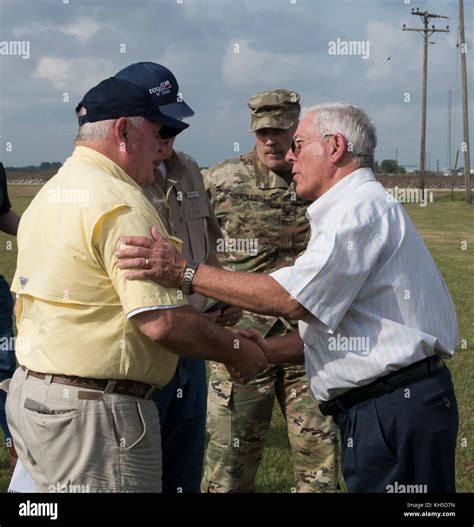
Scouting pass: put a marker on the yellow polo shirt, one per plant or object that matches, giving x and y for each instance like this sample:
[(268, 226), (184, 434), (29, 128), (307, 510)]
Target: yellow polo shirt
[(73, 300)]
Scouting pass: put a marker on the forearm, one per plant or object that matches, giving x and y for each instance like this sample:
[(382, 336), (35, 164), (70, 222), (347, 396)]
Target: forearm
[(286, 349), (9, 222), (258, 293), (187, 333)]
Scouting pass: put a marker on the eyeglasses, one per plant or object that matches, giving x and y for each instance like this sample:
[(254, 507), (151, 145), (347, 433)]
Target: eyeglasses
[(297, 144)]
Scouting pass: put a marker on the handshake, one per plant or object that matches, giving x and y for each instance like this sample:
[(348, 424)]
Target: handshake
[(250, 358)]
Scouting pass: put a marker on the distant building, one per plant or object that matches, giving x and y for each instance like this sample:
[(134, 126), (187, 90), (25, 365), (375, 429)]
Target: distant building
[(411, 169), (460, 171)]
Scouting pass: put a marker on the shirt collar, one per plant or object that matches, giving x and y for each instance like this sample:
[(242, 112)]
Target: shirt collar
[(174, 164), (265, 178), (97, 159), (322, 206)]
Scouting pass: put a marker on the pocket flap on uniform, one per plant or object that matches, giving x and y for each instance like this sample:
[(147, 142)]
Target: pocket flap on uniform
[(195, 209), (221, 391)]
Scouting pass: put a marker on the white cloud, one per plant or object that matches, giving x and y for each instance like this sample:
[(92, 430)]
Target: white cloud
[(56, 70), (243, 65), (30, 29), (388, 40), (186, 63), (74, 75), (197, 9), (250, 66), (82, 28)]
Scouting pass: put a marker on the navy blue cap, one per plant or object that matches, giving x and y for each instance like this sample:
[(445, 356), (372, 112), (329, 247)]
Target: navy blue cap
[(161, 83), (113, 98)]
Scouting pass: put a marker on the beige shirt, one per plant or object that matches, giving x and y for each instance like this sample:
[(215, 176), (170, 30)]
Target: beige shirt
[(183, 205), (73, 299)]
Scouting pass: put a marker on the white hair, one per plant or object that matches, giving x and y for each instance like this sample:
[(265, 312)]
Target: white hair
[(99, 129), (353, 123)]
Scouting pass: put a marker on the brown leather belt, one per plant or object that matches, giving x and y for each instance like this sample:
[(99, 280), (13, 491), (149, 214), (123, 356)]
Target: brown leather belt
[(122, 387)]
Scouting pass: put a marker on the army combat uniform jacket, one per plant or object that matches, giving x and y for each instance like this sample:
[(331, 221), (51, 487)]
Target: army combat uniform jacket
[(262, 220)]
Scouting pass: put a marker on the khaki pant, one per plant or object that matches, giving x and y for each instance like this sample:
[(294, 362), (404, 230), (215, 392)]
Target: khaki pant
[(73, 439)]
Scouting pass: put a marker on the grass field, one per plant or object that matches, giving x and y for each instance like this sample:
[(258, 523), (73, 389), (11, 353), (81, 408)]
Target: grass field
[(447, 228)]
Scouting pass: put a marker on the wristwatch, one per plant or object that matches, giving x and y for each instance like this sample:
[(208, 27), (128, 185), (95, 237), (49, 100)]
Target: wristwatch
[(188, 277)]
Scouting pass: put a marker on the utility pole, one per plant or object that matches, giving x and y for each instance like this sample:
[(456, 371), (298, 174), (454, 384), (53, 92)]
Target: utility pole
[(450, 161), (465, 119), (425, 32)]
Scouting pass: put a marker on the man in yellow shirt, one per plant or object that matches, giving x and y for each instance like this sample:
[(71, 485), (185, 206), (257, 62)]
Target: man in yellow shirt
[(91, 345)]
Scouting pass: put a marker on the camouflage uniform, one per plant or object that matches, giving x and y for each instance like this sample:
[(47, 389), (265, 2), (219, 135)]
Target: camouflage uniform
[(253, 203)]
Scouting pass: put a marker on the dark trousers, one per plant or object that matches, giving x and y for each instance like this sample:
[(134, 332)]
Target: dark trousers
[(402, 441), (182, 407), (7, 349)]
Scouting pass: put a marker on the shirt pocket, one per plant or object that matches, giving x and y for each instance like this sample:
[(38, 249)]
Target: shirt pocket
[(196, 214)]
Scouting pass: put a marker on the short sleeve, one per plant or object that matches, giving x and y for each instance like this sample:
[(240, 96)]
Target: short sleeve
[(326, 278), (133, 294)]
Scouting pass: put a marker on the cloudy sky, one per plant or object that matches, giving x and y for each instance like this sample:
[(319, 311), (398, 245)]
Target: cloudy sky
[(223, 51)]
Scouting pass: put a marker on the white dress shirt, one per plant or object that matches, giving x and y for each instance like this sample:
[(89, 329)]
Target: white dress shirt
[(378, 300)]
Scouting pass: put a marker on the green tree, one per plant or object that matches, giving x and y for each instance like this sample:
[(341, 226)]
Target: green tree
[(389, 166)]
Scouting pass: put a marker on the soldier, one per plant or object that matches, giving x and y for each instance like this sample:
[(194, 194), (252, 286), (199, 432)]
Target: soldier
[(264, 229)]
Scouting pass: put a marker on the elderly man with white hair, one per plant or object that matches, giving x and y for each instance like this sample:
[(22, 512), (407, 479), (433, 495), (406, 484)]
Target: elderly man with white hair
[(94, 346), (375, 316)]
